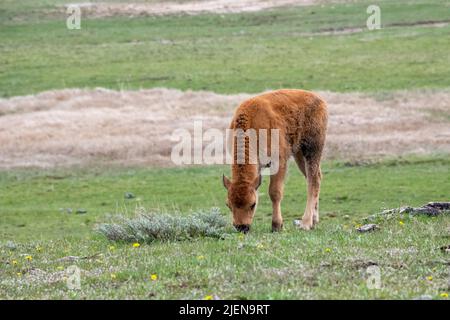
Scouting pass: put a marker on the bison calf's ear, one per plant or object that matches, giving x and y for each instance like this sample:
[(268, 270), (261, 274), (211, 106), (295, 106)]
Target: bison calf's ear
[(226, 182), (257, 182)]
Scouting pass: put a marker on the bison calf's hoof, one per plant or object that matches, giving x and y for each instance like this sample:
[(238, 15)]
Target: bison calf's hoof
[(303, 225), (276, 226), (242, 228)]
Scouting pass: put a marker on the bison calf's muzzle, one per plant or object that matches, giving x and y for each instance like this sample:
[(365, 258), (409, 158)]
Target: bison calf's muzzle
[(242, 227)]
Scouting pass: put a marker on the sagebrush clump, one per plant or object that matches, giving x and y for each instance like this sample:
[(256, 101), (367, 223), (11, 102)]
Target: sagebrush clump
[(148, 227)]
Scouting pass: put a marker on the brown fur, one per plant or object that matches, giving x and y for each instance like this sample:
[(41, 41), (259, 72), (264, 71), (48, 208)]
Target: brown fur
[(301, 117)]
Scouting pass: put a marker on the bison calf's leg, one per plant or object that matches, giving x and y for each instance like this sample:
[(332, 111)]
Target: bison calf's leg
[(316, 199), (311, 215), (276, 195), (300, 160)]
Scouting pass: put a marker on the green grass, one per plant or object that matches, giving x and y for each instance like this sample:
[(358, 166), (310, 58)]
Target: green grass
[(291, 264), (31, 202), (231, 53)]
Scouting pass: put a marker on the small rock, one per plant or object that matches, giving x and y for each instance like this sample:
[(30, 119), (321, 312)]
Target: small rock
[(407, 209), (445, 249), (11, 245), (346, 217), (388, 211), (129, 195), (81, 211), (367, 228), (297, 223), (439, 205), (69, 210), (430, 211)]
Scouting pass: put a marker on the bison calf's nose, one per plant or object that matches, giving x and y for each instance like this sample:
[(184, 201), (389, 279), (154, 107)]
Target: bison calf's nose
[(242, 228)]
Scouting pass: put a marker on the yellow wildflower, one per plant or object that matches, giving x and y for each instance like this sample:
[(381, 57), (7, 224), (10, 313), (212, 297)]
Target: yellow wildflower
[(430, 278), (60, 267), (113, 276), (444, 295), (136, 245), (200, 257), (112, 248), (327, 249), (19, 274), (401, 223), (29, 258), (38, 248), (14, 262), (208, 297), (154, 277)]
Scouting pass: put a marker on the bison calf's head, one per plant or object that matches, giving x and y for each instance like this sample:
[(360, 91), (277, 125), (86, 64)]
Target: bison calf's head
[(242, 200)]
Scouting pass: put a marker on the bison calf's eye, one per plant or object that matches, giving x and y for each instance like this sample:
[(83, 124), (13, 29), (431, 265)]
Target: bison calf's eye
[(253, 206)]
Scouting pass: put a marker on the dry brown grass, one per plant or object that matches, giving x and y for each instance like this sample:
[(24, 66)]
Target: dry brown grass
[(139, 8), (80, 127)]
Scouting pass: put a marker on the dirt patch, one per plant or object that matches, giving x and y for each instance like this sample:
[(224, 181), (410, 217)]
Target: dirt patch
[(80, 126), (352, 30), (158, 8)]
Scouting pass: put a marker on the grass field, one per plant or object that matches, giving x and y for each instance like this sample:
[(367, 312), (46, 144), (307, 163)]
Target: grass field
[(329, 262), (319, 47), (31, 201), (232, 53)]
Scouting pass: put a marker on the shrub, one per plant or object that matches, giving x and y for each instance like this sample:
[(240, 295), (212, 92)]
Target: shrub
[(148, 227)]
